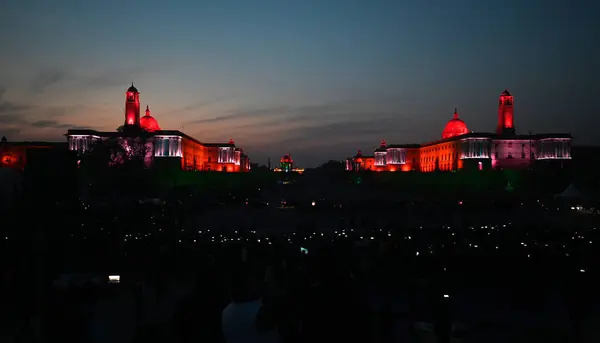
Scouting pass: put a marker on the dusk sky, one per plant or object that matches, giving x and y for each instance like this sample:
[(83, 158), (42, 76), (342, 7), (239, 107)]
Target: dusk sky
[(319, 79)]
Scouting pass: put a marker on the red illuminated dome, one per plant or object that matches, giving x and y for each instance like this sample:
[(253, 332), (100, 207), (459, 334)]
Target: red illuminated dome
[(455, 127), (148, 122), (286, 159)]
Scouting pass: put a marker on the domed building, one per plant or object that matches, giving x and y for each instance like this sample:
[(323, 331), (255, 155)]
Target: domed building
[(455, 127), (148, 122), (143, 136), (459, 148), (286, 163)]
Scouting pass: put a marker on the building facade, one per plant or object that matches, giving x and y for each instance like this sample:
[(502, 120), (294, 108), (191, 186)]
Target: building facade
[(15, 154), (459, 148), (286, 165), (162, 146)]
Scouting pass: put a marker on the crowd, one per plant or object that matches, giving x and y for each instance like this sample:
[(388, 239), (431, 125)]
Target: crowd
[(448, 274)]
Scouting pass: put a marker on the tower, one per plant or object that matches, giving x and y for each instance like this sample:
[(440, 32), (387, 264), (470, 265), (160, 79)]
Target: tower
[(505, 114), (132, 106)]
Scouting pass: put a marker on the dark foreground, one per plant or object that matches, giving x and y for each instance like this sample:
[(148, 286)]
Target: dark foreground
[(516, 274)]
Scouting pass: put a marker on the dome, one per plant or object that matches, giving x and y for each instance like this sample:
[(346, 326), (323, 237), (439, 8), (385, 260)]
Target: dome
[(132, 89), (455, 127), (286, 159), (148, 122)]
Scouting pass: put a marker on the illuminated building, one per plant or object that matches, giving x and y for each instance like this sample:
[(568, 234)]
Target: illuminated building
[(162, 145), (286, 165), (459, 148), (14, 154)]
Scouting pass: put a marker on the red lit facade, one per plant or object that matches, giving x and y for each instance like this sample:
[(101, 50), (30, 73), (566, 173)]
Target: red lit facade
[(459, 149), (164, 145), (14, 154)]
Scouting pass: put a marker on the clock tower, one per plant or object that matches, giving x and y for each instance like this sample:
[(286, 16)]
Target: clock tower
[(132, 106), (505, 114)]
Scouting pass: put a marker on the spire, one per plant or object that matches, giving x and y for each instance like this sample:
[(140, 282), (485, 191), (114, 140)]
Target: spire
[(147, 110), (455, 113)]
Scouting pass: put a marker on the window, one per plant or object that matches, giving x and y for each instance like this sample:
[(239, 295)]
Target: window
[(510, 144), (523, 155), (510, 155)]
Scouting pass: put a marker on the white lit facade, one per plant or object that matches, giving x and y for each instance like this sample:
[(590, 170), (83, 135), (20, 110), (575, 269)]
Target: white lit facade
[(168, 146), (82, 143)]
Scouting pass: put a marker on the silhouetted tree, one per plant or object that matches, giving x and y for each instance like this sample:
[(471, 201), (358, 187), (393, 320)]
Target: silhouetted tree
[(118, 162), (332, 166), (255, 167)]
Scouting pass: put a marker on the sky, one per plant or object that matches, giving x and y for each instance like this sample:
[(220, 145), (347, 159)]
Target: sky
[(316, 78)]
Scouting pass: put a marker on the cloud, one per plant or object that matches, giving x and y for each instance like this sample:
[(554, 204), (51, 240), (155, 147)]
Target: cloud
[(11, 119), (9, 132), (112, 78), (276, 114), (200, 104), (244, 114), (343, 131), (51, 124), (12, 113), (15, 117), (52, 116), (12, 116), (46, 78)]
